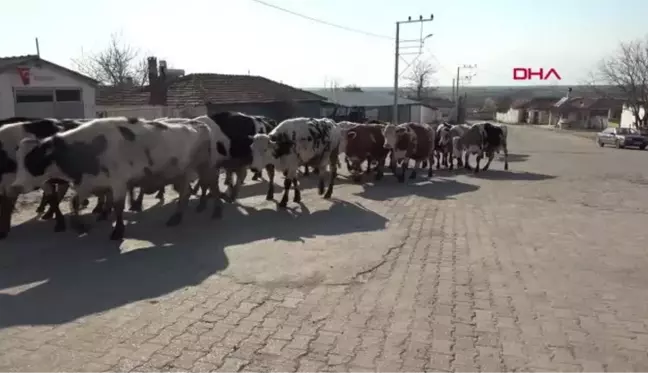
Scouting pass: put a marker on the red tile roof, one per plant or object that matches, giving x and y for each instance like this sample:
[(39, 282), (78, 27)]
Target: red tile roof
[(199, 89)]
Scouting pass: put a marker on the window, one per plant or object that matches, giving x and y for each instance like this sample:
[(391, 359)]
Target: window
[(66, 95), (23, 97)]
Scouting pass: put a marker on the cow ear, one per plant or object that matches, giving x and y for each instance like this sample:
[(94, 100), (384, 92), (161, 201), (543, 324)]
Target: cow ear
[(400, 130), (352, 135)]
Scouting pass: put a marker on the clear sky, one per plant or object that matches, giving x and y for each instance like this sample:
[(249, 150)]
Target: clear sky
[(237, 36)]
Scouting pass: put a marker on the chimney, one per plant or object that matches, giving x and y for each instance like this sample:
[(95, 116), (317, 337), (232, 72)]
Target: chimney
[(158, 84), (152, 70), (163, 69)]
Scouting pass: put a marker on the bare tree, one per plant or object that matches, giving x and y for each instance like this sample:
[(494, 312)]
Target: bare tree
[(420, 80), (627, 70), (489, 104), (115, 64)]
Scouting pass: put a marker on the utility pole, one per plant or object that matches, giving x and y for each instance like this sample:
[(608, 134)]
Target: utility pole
[(397, 56), (453, 89), (467, 77)]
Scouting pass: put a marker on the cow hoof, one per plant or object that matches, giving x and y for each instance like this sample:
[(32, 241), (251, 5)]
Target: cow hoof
[(269, 197), (320, 189), (174, 220), (81, 228), (40, 209), (412, 176), (136, 207), (430, 173), (283, 203), (59, 227), (117, 235), (505, 167), (328, 195), (49, 215), (485, 169), (297, 199)]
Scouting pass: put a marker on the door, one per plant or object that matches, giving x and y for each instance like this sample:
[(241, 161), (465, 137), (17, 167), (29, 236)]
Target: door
[(608, 136), (34, 103), (68, 104)]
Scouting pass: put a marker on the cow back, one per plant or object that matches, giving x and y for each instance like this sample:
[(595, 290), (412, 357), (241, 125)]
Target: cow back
[(365, 139), (424, 143)]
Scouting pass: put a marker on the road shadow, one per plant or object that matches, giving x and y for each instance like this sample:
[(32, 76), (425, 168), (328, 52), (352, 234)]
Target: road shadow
[(510, 175), (258, 188), (513, 157), (79, 276), (435, 188)]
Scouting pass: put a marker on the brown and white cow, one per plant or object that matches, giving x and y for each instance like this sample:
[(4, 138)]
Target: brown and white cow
[(410, 141), (364, 142)]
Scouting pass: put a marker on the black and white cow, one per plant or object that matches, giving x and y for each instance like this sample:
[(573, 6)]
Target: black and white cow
[(269, 125), (445, 133), (113, 154), (12, 132), (296, 142), (233, 132), (481, 138)]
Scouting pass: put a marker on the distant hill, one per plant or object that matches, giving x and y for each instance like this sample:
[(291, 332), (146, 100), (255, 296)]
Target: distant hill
[(477, 94)]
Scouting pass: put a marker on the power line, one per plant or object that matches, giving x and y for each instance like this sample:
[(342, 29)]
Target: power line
[(324, 22)]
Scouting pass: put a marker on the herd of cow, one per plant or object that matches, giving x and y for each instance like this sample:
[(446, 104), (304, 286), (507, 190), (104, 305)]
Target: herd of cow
[(110, 157)]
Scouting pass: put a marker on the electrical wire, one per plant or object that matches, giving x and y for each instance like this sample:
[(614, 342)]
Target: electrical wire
[(366, 33)]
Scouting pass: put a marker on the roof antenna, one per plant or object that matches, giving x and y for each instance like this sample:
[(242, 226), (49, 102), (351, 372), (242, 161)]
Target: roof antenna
[(37, 48)]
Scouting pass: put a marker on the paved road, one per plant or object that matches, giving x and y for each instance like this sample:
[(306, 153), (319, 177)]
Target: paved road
[(540, 268)]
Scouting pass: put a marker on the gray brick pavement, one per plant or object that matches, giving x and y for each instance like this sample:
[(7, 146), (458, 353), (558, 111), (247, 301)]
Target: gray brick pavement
[(542, 269)]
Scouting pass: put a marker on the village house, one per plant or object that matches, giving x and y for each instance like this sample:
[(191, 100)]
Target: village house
[(33, 87), (531, 111), (585, 112), (200, 94)]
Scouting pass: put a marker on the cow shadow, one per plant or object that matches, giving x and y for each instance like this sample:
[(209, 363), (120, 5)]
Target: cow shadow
[(59, 282), (438, 188), (510, 175), (513, 157)]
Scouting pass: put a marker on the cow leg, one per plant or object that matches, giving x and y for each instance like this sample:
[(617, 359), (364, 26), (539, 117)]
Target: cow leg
[(104, 203), (505, 150), (101, 204), (160, 195), (423, 163), (75, 220), (118, 198), (490, 156), (54, 207), (256, 176), (135, 204), (430, 160), (196, 188), (306, 171), (348, 163), (270, 169), (184, 191), (41, 206), (212, 180), (417, 164), (466, 161), (284, 199), (369, 161), (332, 174), (241, 173), (380, 170), (479, 157), (6, 209), (297, 190)]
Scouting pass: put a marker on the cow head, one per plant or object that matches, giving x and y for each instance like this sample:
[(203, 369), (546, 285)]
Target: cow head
[(443, 132), (392, 134), (34, 160), (263, 149)]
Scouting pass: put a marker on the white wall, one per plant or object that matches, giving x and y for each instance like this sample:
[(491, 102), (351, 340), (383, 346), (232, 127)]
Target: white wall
[(43, 77), (151, 112), (512, 116), (627, 118), (424, 114)]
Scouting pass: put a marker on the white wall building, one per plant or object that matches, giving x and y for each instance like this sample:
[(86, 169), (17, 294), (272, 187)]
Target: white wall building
[(628, 119), (33, 87)]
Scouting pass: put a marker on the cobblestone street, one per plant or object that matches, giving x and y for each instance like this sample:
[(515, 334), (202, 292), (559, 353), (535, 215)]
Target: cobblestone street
[(539, 268)]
